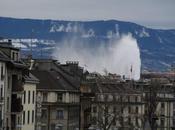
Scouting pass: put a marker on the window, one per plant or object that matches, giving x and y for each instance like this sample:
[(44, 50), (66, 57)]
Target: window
[(1, 96), (28, 119), (59, 114), (33, 97), (16, 56), (94, 109), (59, 97), (28, 97), (43, 113), (121, 98), (162, 105), (8, 82), (129, 109), (137, 110), (129, 120), (24, 97), (33, 115), (44, 97), (136, 99), (2, 72), (122, 110), (7, 103), (24, 117), (7, 122)]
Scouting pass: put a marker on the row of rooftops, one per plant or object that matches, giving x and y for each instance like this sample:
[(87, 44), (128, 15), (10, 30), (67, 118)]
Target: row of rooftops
[(50, 75)]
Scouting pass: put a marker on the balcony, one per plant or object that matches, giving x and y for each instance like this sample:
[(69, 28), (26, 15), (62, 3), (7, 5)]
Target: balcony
[(16, 104), (16, 85)]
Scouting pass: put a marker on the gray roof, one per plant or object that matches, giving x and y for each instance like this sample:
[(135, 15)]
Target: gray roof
[(54, 81), (30, 78), (3, 57)]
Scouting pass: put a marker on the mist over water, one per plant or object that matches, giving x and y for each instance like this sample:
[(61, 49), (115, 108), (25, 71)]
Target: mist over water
[(118, 55)]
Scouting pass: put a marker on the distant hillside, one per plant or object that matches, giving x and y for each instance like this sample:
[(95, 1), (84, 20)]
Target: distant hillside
[(157, 46)]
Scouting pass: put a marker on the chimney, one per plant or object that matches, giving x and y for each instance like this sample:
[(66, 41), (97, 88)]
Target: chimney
[(9, 41)]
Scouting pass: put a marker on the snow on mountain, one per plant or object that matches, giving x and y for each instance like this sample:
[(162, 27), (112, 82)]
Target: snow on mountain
[(155, 44), (143, 33)]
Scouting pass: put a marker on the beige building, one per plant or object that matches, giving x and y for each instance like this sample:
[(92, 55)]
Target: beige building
[(108, 103), (58, 95), (29, 102), (158, 94), (112, 104)]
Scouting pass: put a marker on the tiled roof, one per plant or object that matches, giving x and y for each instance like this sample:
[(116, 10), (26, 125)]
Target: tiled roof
[(53, 80), (30, 78), (3, 57)]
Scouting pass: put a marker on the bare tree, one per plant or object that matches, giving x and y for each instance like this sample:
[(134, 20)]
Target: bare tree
[(151, 103), (109, 110)]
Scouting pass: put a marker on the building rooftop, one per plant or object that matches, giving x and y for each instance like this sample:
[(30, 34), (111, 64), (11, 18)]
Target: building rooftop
[(53, 80), (30, 78), (7, 44), (109, 84), (3, 57)]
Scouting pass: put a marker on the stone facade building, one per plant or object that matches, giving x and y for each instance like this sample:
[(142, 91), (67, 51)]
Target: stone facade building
[(11, 84), (29, 102), (58, 95), (113, 104), (42, 94), (14, 73)]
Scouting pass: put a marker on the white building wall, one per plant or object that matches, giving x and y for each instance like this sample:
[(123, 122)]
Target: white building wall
[(29, 107)]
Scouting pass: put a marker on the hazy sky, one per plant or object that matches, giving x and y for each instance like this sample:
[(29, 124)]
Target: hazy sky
[(152, 13)]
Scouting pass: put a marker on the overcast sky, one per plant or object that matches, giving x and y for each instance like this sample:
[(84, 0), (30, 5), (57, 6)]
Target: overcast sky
[(152, 13)]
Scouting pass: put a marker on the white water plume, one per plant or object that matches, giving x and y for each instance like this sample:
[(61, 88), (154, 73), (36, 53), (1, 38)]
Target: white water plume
[(120, 56)]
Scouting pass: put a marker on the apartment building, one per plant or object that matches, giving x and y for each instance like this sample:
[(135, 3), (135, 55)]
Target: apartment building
[(29, 102), (58, 95), (158, 93), (112, 104), (11, 86)]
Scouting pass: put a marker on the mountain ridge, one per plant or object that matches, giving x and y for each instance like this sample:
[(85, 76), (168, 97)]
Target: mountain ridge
[(157, 46)]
